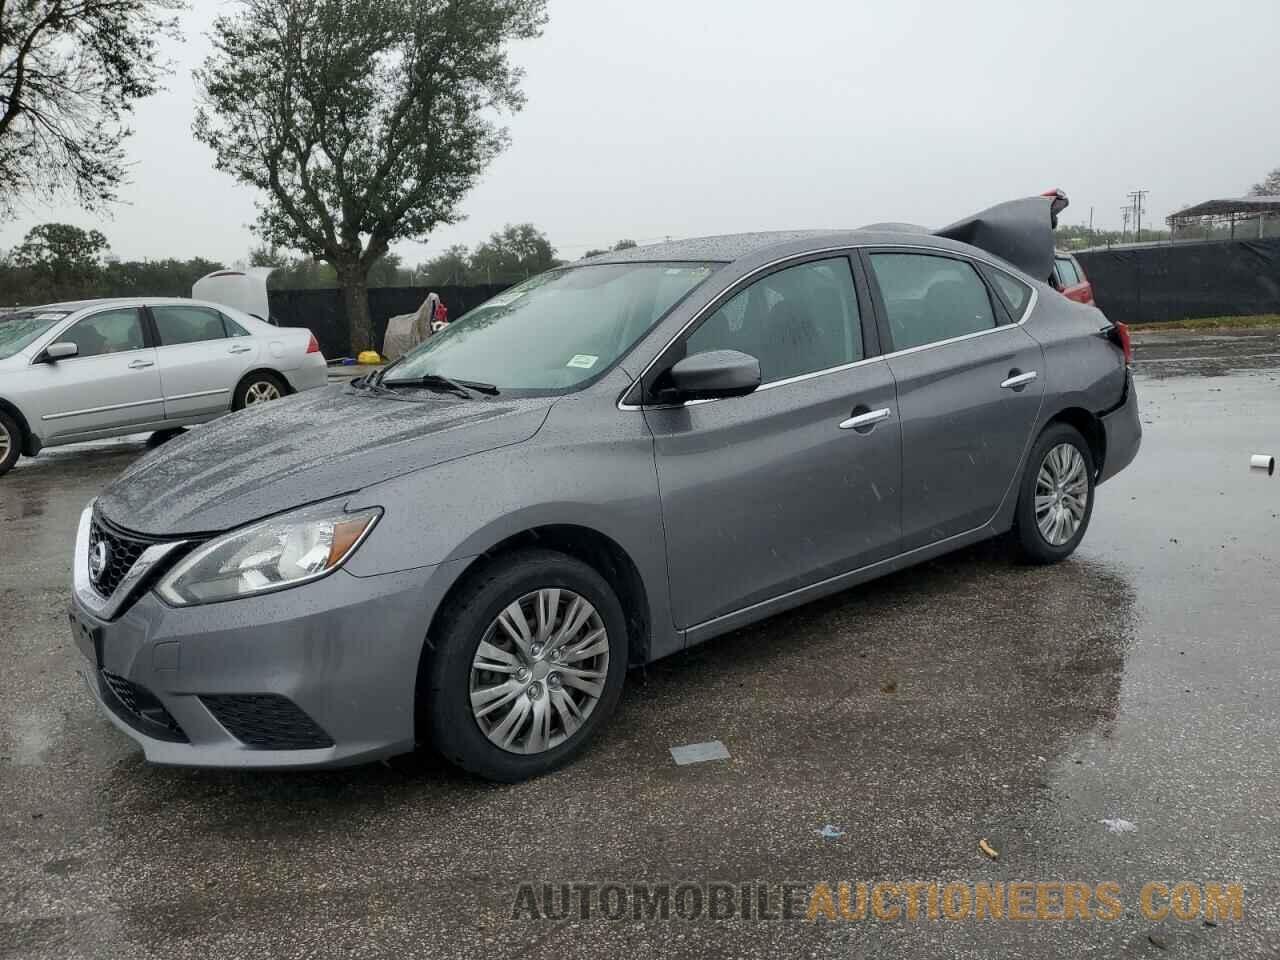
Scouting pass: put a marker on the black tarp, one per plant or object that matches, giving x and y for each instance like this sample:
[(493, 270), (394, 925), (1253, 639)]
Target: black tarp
[(1181, 281), (324, 312)]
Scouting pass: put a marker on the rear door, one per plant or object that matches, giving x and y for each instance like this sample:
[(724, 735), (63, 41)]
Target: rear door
[(201, 358), (774, 491), (109, 386), (970, 382)]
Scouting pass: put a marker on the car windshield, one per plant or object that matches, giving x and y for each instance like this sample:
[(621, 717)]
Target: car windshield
[(17, 330), (555, 332)]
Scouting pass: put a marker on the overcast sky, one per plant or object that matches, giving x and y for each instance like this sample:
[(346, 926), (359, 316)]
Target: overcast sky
[(695, 117)]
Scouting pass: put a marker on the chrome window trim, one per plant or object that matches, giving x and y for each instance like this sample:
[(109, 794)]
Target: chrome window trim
[(75, 321), (733, 289)]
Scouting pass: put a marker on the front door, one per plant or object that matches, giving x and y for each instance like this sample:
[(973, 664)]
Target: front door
[(201, 361), (109, 386), (774, 491), (970, 384)]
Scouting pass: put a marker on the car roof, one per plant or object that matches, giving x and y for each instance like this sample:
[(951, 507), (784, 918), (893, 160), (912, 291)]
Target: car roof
[(75, 306), (736, 246)]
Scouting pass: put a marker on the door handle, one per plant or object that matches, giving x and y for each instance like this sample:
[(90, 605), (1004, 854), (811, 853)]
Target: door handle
[(240, 349), (141, 364), (864, 420), (1019, 380)]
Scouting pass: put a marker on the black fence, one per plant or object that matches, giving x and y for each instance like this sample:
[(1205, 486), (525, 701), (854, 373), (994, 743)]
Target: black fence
[(1181, 281), (325, 313)]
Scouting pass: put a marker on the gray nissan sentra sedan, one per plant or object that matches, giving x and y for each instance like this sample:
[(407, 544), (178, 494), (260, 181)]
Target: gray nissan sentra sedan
[(602, 466)]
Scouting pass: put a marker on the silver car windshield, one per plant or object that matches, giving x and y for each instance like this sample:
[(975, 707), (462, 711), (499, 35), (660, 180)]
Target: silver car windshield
[(17, 330), (555, 332)]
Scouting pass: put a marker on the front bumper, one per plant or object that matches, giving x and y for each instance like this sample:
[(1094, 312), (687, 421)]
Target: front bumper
[(1123, 429), (336, 659)]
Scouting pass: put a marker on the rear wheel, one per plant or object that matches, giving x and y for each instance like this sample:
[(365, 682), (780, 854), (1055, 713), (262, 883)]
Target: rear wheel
[(1055, 501), (528, 663), (10, 443), (258, 388)]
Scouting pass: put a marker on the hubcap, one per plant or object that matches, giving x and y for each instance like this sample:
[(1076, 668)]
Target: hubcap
[(261, 392), (530, 702), (1062, 494), (5, 442)]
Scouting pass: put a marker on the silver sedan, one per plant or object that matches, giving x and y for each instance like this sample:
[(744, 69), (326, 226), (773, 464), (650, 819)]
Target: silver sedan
[(103, 368)]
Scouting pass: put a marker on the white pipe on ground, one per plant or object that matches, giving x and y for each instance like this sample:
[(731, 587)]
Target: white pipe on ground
[(1260, 461)]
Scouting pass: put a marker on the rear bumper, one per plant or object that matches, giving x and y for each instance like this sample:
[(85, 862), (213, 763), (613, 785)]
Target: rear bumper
[(1124, 433), (313, 373), (323, 675)]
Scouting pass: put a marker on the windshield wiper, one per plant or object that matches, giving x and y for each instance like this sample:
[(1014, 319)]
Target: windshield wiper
[(463, 388)]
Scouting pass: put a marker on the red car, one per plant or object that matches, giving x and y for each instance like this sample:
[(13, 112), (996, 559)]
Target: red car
[(1068, 276)]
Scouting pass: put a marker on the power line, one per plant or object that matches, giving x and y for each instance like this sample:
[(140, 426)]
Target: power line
[(1137, 197)]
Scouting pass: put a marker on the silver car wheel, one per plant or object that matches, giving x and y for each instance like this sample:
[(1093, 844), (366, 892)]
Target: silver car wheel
[(1062, 494), (6, 442), (261, 392), (539, 671)]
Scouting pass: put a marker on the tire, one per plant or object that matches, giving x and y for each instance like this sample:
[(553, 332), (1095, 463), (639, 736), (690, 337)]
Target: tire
[(161, 437), (258, 388), (449, 675), (10, 443), (1032, 542)]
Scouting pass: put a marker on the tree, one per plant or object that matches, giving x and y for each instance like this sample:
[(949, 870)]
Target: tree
[(1269, 187), (70, 72), (362, 121), (389, 271), (61, 261), (625, 245), (451, 269), (514, 253)]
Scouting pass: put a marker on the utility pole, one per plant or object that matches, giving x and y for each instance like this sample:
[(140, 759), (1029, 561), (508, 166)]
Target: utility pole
[(1137, 196), (1127, 211)]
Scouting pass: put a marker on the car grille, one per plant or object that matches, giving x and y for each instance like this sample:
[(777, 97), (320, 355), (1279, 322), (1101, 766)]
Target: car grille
[(266, 721), (123, 551), (138, 707)]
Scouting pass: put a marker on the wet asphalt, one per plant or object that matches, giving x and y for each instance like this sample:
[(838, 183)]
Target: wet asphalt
[(964, 700)]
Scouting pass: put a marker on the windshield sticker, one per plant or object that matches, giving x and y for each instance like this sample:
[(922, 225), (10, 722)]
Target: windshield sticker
[(583, 361)]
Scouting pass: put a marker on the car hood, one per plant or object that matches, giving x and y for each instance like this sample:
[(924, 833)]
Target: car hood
[(289, 453)]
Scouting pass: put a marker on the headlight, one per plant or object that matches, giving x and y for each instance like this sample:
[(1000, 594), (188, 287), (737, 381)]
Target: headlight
[(282, 552)]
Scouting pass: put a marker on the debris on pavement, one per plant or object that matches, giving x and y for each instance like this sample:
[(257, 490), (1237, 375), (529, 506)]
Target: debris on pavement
[(699, 753), (1262, 461), (831, 832), (1120, 826), (988, 849)]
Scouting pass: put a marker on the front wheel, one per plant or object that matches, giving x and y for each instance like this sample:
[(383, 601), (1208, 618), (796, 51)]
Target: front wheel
[(528, 663), (10, 443), (1055, 500)]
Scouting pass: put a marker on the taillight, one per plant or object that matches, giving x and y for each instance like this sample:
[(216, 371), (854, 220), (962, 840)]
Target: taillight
[(1119, 334), (314, 345)]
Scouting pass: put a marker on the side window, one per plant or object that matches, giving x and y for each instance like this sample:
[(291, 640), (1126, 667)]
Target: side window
[(233, 329), (796, 321), (177, 324), (1016, 293), (1067, 275), (112, 331), (930, 298)]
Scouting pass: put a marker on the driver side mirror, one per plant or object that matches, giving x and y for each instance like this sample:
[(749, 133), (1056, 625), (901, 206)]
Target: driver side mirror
[(60, 351), (713, 375)]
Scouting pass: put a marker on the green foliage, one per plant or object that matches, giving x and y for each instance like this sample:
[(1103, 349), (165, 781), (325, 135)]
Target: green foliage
[(515, 253), (1269, 187), (620, 245), (57, 262), (70, 72), (511, 255), (361, 121), (451, 268)]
